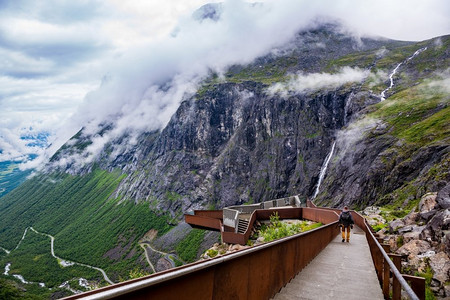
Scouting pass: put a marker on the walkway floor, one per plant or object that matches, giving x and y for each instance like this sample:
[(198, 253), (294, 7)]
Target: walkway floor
[(340, 271)]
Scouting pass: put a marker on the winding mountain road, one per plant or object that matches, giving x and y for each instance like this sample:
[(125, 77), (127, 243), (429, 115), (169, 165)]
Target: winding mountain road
[(62, 261)]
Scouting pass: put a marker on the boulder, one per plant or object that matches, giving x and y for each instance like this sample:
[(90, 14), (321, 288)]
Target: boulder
[(428, 202), (427, 215), (447, 290), (395, 225), (371, 210), (446, 243), (443, 197), (440, 264), (440, 221), (403, 230), (412, 218), (409, 236), (414, 248)]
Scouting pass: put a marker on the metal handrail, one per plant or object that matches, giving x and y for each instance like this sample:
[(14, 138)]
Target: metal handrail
[(392, 267)]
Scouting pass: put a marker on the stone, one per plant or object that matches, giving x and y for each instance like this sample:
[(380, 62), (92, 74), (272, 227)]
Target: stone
[(414, 248), (413, 235), (439, 222), (443, 197), (411, 218), (427, 202), (371, 210), (405, 229), (395, 225), (440, 264), (427, 215), (446, 290), (446, 243)]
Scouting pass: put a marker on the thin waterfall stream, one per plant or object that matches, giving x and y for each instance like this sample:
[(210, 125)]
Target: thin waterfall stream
[(323, 170), (391, 76)]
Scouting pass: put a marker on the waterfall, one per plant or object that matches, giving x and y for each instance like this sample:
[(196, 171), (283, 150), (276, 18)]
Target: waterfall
[(391, 76), (323, 170)]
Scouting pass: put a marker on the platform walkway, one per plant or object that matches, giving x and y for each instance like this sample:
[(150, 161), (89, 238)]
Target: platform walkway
[(340, 271)]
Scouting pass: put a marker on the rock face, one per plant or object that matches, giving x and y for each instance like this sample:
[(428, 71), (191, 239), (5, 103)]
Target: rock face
[(235, 144), (236, 141)]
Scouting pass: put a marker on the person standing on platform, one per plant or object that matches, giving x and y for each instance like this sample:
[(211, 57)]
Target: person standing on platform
[(346, 222)]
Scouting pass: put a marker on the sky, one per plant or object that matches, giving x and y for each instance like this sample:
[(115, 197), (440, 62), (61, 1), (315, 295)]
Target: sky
[(71, 64)]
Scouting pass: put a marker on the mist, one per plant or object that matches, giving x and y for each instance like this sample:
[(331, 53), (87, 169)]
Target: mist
[(144, 85), (300, 83)]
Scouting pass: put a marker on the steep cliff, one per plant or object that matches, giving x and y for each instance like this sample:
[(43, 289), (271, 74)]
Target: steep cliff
[(398, 149)]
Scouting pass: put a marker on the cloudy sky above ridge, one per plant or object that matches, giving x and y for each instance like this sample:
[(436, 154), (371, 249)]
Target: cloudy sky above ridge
[(55, 54)]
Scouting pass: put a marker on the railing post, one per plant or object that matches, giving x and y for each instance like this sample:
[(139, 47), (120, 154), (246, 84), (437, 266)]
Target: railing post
[(417, 285), (386, 272), (396, 288)]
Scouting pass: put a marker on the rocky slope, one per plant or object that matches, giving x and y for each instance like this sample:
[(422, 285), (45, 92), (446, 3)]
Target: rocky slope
[(422, 238)]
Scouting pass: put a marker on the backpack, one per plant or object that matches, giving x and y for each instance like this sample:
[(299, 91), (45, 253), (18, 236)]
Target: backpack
[(346, 217)]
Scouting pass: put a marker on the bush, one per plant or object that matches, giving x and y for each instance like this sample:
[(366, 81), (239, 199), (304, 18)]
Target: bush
[(278, 229)]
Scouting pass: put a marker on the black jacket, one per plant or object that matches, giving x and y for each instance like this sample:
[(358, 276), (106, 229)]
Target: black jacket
[(346, 218)]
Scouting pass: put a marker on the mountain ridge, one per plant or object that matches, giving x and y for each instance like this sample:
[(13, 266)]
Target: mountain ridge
[(257, 132)]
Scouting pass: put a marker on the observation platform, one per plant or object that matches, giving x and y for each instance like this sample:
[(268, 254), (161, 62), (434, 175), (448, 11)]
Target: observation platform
[(340, 271)]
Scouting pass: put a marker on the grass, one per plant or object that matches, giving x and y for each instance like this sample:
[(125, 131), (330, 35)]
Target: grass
[(417, 115), (379, 226)]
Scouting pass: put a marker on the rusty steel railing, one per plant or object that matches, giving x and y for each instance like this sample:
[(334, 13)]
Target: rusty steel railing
[(255, 273), (387, 265)]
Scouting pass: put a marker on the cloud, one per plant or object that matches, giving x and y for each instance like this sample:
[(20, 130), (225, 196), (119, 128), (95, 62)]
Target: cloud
[(442, 84), (69, 45), (311, 82)]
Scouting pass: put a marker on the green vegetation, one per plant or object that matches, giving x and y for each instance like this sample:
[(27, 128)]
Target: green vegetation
[(34, 254), (418, 115), (137, 273), (188, 248), (267, 73), (403, 202), (8, 290), (361, 59), (212, 253), (379, 226), (278, 229), (176, 260), (12, 289), (89, 226)]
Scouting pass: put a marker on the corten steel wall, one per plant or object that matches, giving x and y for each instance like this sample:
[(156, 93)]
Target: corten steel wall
[(203, 222), (319, 215), (255, 273), (216, 214)]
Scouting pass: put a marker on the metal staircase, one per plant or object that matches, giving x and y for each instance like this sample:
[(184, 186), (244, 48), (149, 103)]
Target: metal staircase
[(242, 226)]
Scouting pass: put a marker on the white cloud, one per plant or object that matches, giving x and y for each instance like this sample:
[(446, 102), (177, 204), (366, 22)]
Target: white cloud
[(64, 48), (311, 82)]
